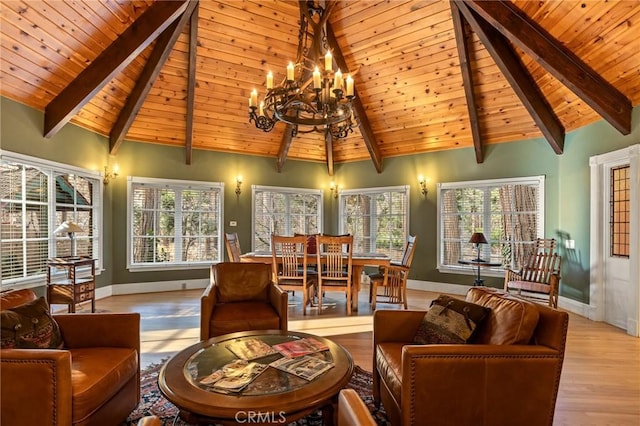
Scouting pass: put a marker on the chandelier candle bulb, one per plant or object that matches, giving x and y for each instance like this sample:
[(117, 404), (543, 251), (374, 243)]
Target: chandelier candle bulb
[(328, 61), (253, 100), (337, 80), (261, 109), (269, 80), (290, 71), (316, 79), (349, 85)]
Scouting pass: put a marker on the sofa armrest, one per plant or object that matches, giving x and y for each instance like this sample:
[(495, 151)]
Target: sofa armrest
[(207, 305), (120, 330), (395, 326), (35, 387), (279, 299), (439, 379)]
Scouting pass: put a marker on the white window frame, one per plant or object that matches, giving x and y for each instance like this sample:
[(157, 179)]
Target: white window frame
[(494, 271), (52, 168), (286, 191), (373, 191), (178, 185)]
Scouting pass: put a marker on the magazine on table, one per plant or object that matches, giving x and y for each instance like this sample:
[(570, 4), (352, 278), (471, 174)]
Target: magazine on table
[(299, 347), (250, 349), (307, 366), (234, 376)]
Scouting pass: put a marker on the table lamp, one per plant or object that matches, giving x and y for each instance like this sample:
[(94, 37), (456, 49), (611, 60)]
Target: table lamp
[(70, 228), (478, 238)]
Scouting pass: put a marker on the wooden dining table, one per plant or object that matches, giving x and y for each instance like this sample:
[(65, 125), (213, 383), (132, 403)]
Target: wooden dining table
[(358, 262)]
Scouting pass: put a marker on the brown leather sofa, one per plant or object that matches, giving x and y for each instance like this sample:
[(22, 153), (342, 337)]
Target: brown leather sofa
[(93, 380), (352, 411), (242, 296), (508, 375)]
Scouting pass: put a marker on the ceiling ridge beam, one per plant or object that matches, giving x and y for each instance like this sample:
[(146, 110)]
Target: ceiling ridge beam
[(157, 59), (559, 61), (363, 121), (461, 31), (108, 63), (518, 77)]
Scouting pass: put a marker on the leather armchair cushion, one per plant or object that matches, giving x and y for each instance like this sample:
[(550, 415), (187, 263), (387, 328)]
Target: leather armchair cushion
[(389, 365), (97, 374), (13, 298), (251, 315), (239, 282), (29, 326), (512, 320)]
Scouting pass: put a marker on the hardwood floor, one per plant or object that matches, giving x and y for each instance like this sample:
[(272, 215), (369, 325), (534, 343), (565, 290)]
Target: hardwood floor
[(600, 382)]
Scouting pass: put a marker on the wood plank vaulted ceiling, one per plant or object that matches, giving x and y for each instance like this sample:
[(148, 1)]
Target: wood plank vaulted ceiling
[(429, 75)]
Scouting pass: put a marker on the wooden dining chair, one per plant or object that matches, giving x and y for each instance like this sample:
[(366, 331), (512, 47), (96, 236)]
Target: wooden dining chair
[(290, 269), (232, 244), (393, 278), (335, 257)]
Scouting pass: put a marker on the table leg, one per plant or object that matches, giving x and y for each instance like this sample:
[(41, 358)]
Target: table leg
[(356, 273)]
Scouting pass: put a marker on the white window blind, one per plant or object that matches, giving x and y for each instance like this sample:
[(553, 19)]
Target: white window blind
[(284, 211), (174, 223), (37, 196), (378, 219), (509, 212)]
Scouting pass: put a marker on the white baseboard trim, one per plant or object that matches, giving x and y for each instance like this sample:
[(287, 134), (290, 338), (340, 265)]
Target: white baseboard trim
[(438, 287)]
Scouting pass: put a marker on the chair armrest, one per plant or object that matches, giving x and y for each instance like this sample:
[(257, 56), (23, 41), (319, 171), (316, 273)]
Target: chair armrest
[(352, 411), (511, 275), (438, 378), (35, 386), (279, 299), (100, 330), (395, 326), (207, 305)]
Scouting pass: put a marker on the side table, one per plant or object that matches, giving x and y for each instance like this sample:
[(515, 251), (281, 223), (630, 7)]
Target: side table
[(479, 263), (77, 284)]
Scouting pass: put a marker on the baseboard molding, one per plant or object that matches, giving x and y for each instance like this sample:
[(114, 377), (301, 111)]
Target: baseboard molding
[(151, 287), (438, 287)]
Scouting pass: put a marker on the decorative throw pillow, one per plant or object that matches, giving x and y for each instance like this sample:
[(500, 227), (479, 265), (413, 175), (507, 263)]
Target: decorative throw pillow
[(450, 320), (29, 326)]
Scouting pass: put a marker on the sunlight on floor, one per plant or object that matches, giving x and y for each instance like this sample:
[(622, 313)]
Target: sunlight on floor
[(332, 326)]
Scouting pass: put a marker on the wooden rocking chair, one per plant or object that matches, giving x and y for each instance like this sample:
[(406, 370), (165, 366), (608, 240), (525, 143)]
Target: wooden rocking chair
[(539, 276)]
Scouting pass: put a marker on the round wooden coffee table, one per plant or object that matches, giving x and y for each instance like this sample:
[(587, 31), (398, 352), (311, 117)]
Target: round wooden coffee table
[(274, 396)]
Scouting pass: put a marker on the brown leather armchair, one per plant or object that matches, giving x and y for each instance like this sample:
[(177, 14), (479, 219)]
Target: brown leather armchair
[(240, 297), (94, 380), (509, 374)]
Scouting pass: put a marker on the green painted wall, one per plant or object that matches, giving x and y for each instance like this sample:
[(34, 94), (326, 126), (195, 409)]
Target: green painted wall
[(567, 186)]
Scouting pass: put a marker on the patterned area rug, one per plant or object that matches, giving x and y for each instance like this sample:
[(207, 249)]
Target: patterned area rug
[(152, 401)]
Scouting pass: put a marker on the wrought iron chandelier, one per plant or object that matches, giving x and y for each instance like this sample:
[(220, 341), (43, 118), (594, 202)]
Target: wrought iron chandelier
[(312, 97)]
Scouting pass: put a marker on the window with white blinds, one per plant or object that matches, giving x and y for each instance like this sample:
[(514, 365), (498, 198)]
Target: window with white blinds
[(174, 224), (284, 211), (37, 196), (509, 212), (378, 219)]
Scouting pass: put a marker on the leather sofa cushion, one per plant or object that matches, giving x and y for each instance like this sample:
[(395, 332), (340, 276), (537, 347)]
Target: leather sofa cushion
[(242, 281), (252, 315), (512, 320), (389, 365), (97, 374)]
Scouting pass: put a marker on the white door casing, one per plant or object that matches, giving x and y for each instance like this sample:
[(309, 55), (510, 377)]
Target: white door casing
[(614, 281)]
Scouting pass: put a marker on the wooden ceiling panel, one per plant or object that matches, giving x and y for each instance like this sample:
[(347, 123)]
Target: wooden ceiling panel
[(403, 56)]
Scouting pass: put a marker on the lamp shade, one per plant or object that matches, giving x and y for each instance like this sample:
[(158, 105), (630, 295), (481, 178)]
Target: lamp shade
[(68, 227), (478, 238)]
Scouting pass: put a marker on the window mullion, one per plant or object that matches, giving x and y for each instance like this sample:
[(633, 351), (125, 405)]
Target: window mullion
[(177, 226)]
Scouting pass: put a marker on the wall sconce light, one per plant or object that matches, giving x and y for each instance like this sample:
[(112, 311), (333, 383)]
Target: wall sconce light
[(334, 189), (423, 185), (109, 175), (238, 184)]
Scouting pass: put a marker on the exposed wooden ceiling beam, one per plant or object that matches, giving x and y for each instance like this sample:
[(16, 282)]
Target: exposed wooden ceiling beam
[(361, 115), (161, 51), (285, 144), (461, 30), (328, 143), (518, 77), (191, 82), (111, 61), (559, 61)]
